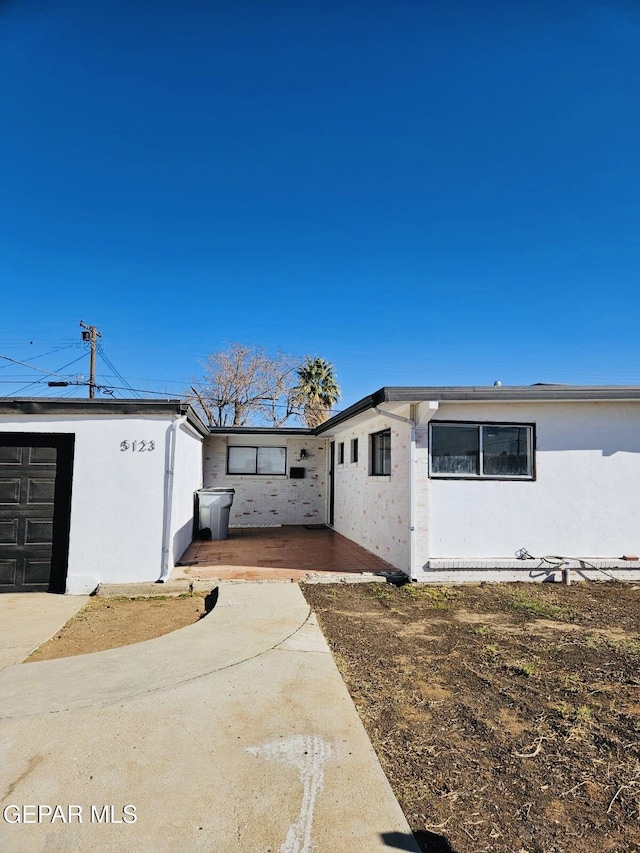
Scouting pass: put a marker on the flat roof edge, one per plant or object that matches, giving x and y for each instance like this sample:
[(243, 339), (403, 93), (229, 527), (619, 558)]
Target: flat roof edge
[(255, 430), (55, 406), (583, 393)]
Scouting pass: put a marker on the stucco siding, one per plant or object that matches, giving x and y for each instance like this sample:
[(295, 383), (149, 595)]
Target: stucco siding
[(585, 500), (372, 510), (117, 501), (187, 479), (271, 500), (422, 496)]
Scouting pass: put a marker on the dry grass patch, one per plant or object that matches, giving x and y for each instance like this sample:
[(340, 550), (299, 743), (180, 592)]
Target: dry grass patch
[(107, 623), (506, 717)]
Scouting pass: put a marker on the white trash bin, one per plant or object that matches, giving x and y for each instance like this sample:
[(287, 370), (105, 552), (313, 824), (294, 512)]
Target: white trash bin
[(214, 506)]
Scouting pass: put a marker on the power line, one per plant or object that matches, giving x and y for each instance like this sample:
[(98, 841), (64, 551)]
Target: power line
[(68, 364), (51, 373), (111, 365), (108, 387), (105, 387), (42, 355), (30, 366)]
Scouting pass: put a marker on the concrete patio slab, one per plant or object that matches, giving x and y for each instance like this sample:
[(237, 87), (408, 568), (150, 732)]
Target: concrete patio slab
[(234, 735), (29, 619)]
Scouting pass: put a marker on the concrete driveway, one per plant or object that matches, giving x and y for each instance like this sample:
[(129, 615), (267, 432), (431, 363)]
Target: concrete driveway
[(233, 735), (29, 619)]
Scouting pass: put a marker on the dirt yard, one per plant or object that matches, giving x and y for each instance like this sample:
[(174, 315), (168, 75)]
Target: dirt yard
[(106, 623), (506, 717)]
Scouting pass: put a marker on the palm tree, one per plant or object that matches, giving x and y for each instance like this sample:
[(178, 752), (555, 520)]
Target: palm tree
[(316, 390)]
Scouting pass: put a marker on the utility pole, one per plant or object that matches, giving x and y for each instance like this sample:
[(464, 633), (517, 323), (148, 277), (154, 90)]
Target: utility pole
[(91, 334)]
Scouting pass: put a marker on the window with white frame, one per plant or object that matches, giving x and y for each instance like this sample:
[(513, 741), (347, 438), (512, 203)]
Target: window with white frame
[(354, 450), (489, 451), (256, 460), (380, 462)]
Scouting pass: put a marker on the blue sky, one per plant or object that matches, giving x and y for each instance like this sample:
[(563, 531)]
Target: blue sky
[(422, 193)]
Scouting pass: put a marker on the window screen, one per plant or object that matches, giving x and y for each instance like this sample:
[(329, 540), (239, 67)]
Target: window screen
[(256, 460), (271, 460), (455, 449), (242, 460), (381, 453), (505, 451), (481, 450)]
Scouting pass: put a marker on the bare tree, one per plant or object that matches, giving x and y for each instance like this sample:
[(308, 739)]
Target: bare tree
[(245, 384)]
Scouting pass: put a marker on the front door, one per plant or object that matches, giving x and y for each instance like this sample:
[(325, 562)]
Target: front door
[(35, 506)]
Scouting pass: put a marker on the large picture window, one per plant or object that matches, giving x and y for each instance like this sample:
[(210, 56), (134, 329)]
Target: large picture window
[(256, 460), (381, 453), (481, 450)]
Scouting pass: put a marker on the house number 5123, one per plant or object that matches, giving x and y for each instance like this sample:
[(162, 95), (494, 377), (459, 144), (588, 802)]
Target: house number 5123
[(137, 446)]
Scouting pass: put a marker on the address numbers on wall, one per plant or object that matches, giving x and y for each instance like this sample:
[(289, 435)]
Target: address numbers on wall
[(137, 446)]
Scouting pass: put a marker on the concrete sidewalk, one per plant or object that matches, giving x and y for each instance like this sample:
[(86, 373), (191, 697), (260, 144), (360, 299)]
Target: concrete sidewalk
[(27, 620), (233, 735)]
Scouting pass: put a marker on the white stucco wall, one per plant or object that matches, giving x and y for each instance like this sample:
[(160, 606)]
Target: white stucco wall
[(374, 511), (584, 502), (271, 500), (117, 502), (187, 479)]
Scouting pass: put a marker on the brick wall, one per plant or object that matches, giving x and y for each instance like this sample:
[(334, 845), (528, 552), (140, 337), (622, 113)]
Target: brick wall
[(271, 500), (374, 511)]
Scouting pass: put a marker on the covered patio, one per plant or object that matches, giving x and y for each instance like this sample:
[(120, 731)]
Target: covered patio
[(290, 552)]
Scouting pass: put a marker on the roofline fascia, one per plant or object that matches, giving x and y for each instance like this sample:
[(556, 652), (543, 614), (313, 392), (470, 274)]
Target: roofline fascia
[(195, 421), (514, 393), (249, 430), (43, 406), (483, 393), (358, 408)]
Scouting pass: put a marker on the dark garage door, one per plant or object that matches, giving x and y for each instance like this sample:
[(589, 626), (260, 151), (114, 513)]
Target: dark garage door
[(35, 503)]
